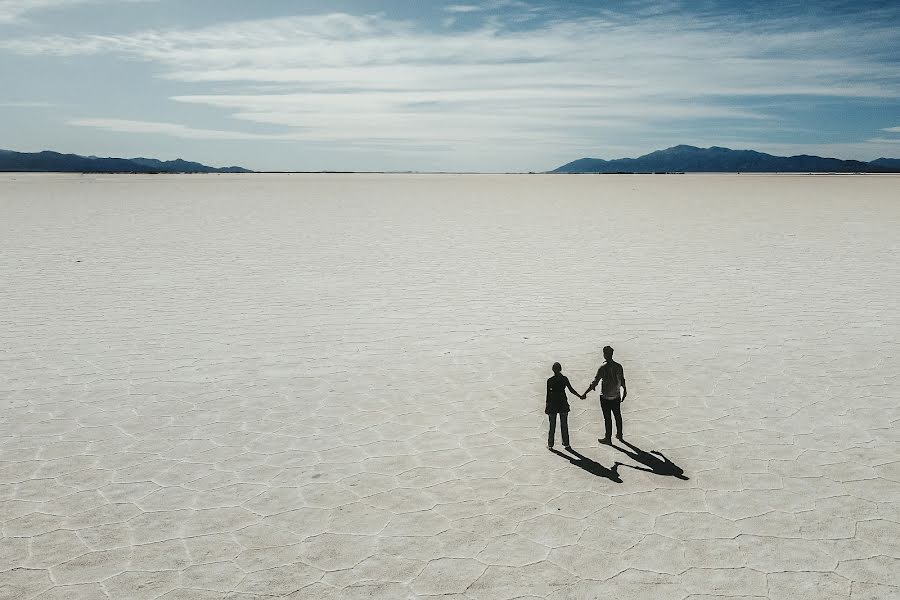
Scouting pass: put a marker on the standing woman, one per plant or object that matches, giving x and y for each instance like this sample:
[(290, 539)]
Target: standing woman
[(558, 404)]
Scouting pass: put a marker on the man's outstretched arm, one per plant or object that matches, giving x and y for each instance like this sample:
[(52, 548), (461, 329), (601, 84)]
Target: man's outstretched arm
[(597, 379)]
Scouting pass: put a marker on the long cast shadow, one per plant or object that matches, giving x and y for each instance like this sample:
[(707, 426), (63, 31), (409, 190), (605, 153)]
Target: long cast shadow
[(591, 466), (655, 461)]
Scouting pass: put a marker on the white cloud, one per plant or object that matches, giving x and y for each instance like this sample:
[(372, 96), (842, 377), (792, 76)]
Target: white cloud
[(13, 11), (463, 8), (170, 129), (892, 129), (493, 5), (27, 104), (563, 86)]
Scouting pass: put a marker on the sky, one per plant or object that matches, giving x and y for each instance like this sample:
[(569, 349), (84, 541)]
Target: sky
[(486, 85)]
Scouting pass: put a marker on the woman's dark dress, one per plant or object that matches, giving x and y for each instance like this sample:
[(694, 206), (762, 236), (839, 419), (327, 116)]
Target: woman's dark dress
[(557, 403), (556, 394)]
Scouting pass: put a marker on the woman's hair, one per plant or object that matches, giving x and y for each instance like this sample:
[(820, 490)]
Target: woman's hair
[(557, 367)]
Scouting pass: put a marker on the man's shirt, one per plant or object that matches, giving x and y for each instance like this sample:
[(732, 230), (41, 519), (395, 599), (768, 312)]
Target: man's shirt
[(613, 377)]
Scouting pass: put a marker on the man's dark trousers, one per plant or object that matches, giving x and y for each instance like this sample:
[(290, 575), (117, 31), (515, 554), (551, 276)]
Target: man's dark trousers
[(611, 407)]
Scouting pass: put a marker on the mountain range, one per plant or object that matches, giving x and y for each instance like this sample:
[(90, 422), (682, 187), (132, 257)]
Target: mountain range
[(54, 162), (679, 159), (690, 159)]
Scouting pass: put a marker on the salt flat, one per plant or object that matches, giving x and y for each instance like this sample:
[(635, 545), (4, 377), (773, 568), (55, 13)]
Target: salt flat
[(331, 386)]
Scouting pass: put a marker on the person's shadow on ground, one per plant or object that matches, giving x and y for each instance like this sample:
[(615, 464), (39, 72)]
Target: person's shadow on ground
[(591, 466), (654, 461)]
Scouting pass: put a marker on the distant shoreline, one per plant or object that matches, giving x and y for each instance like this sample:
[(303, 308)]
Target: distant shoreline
[(555, 174), (677, 160)]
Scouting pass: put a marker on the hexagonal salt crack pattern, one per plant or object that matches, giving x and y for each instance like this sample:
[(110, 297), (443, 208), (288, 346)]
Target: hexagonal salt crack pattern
[(551, 531), (512, 551), (331, 552), (332, 387), (141, 585), (447, 576), (279, 581)]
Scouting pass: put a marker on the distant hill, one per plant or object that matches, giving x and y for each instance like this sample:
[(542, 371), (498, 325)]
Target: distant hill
[(54, 162), (888, 163), (690, 159)]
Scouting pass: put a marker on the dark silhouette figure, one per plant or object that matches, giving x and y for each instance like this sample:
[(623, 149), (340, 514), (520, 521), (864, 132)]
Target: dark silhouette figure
[(612, 393), (591, 466), (655, 461), (558, 404)]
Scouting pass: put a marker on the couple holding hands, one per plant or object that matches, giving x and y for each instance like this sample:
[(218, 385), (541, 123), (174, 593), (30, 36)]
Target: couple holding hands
[(612, 393)]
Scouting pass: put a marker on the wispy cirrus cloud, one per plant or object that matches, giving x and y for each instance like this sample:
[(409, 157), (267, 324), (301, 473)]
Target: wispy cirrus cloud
[(14, 11), (463, 8), (170, 129), (27, 104), (351, 78)]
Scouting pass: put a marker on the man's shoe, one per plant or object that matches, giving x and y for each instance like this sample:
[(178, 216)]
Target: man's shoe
[(606, 441), (568, 447), (549, 446), (619, 437)]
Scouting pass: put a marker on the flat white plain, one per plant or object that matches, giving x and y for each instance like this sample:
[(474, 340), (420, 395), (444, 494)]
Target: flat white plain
[(331, 386)]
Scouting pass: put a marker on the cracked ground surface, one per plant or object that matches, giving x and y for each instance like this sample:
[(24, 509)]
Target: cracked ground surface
[(329, 386)]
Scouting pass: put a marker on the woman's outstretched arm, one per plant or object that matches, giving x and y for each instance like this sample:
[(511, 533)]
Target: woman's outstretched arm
[(571, 389)]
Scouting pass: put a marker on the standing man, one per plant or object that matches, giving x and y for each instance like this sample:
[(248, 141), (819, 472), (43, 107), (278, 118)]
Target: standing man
[(613, 377)]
